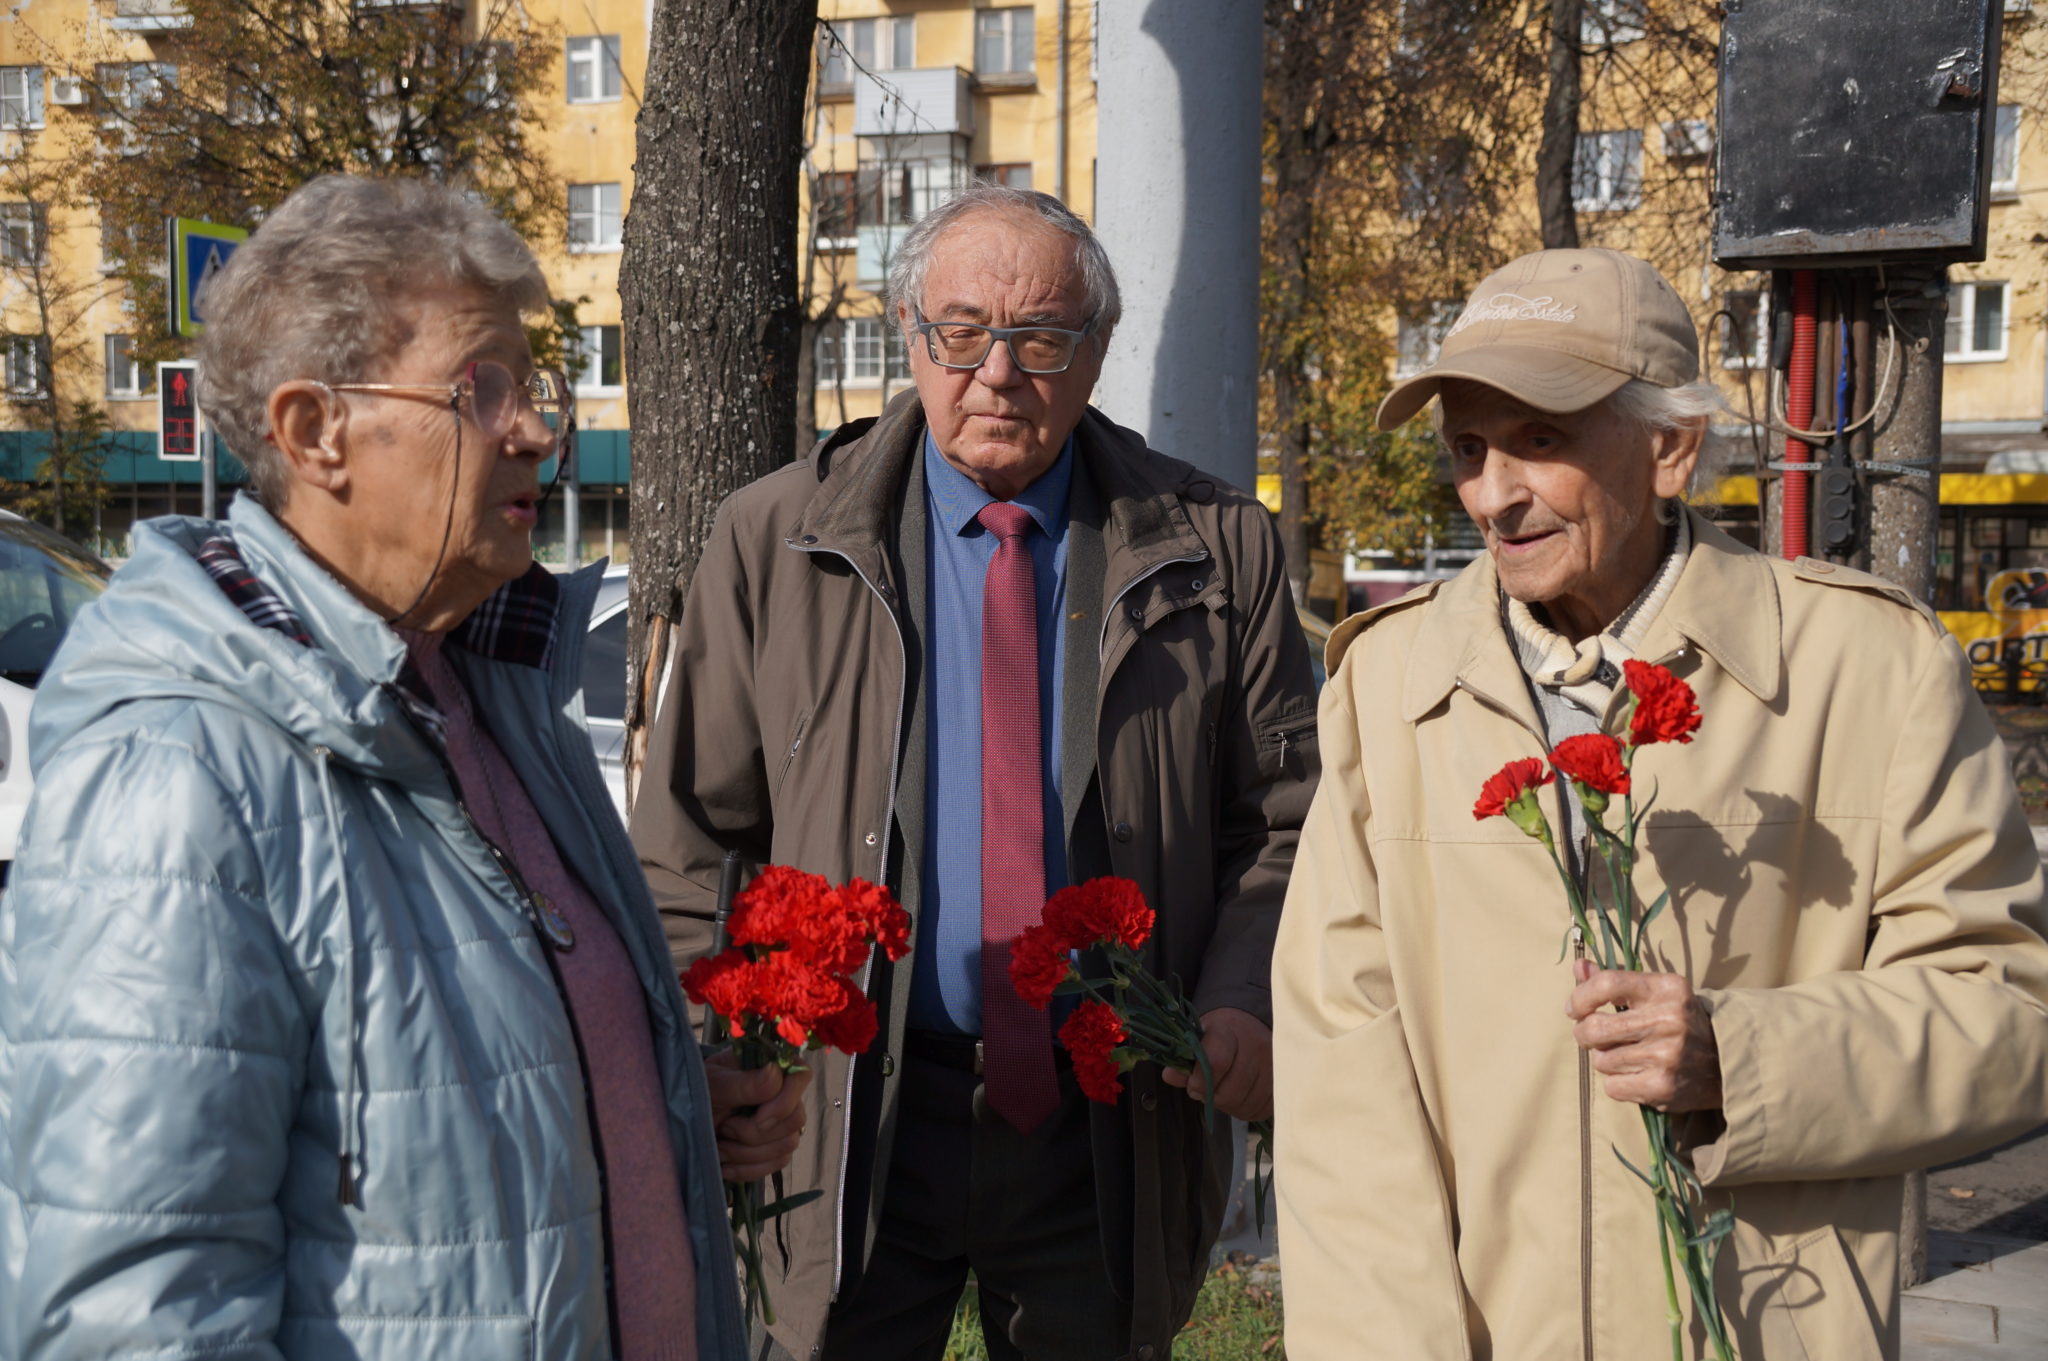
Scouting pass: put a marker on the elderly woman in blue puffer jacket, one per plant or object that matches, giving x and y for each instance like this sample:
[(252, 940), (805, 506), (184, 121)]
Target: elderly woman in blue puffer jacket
[(335, 1019)]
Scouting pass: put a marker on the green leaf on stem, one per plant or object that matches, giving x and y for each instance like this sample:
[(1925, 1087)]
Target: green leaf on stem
[(1719, 1225), (1641, 1175), (788, 1203)]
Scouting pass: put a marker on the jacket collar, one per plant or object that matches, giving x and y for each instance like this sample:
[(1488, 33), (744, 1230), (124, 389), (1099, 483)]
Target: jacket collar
[(1725, 604), (861, 473)]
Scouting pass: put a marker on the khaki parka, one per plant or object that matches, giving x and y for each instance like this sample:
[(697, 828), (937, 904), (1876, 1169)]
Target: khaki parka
[(1854, 894), (792, 729)]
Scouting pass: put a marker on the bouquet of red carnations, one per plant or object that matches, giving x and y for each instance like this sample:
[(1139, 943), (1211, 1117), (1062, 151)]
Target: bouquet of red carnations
[(787, 985), (1614, 928), (1130, 1016)]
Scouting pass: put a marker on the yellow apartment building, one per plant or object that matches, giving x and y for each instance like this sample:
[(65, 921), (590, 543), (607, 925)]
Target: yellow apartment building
[(913, 99)]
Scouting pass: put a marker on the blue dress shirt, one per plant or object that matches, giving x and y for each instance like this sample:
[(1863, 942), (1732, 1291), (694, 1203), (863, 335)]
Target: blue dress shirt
[(945, 987)]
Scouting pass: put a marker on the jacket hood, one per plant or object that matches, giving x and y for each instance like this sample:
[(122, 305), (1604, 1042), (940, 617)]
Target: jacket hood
[(164, 629)]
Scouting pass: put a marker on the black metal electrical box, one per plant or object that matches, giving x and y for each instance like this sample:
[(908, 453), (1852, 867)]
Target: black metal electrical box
[(1855, 130)]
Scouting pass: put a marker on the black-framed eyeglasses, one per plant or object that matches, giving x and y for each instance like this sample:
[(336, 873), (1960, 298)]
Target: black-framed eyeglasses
[(494, 397), (1033, 349)]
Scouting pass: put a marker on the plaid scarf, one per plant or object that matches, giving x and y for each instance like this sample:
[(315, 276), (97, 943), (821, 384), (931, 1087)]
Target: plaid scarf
[(517, 624)]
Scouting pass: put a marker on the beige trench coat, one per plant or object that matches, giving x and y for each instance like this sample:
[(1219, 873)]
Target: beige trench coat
[(793, 731), (1855, 895)]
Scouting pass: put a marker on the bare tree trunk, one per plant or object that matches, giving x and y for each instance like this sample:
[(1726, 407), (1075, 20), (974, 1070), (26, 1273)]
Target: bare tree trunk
[(1292, 432), (708, 284), (1560, 222), (1299, 141)]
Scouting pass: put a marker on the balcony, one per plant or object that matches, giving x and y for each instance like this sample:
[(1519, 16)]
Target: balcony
[(149, 16), (935, 99)]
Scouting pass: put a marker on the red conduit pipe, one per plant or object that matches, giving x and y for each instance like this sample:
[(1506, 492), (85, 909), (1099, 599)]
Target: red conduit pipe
[(1799, 411)]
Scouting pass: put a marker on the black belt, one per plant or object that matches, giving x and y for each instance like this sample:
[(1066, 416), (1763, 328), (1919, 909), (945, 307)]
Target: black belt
[(961, 1052)]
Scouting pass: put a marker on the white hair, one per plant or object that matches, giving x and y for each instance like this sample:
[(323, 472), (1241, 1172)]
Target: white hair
[(1657, 409), (914, 254), (1645, 405), (321, 291)]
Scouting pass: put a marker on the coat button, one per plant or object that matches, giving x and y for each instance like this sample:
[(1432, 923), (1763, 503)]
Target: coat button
[(1149, 1101), (888, 1065), (810, 538), (1138, 613), (1122, 831), (1195, 585), (1145, 1352), (870, 838)]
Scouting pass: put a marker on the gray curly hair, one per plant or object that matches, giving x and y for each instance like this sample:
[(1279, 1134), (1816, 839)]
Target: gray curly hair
[(319, 292), (914, 255)]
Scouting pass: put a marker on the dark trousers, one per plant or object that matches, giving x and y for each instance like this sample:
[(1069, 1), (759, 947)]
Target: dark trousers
[(968, 1192)]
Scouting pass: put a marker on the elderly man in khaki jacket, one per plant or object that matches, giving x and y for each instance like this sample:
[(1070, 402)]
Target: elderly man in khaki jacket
[(1853, 973)]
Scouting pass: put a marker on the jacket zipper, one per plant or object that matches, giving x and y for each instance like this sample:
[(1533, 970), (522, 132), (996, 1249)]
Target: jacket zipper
[(883, 839)]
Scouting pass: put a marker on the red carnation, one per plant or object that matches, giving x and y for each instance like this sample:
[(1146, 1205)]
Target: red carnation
[(1592, 760), (851, 1029), (878, 910), (1038, 964), (1666, 709), (1104, 911), (1091, 1035), (725, 983), (1509, 784)]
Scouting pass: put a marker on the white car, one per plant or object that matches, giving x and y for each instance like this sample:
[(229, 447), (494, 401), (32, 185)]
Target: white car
[(604, 682), (45, 579)]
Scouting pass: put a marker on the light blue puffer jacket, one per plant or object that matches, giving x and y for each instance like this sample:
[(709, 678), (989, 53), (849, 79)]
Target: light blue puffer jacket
[(250, 927)]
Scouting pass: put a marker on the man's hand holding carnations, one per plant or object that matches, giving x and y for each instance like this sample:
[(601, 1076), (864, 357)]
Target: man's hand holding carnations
[(1240, 1050), (759, 1116), (1657, 1048)]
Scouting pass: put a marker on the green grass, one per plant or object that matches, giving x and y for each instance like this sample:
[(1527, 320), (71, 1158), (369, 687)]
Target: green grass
[(1236, 1318)]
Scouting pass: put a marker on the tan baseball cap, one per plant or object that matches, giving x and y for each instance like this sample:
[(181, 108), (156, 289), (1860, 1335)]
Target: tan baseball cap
[(1561, 330)]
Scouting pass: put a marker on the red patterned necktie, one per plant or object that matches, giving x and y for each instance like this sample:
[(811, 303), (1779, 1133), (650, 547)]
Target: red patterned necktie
[(1016, 1038)]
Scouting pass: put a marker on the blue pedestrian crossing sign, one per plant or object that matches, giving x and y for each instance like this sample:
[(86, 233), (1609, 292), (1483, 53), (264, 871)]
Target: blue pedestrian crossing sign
[(198, 251)]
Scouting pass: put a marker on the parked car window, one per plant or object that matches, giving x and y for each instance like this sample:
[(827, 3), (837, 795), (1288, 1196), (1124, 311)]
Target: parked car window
[(44, 580), (604, 670)]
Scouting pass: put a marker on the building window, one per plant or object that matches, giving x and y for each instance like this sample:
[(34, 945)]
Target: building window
[(865, 345), (838, 202), (893, 193), (593, 217), (2005, 153), (133, 86), (1421, 338), (1976, 321), (1745, 328), (599, 359), (27, 362), (1687, 139), (21, 233), (594, 76), (1013, 176), (1605, 23), (849, 45), (125, 377), (21, 96), (1004, 42), (1607, 171)]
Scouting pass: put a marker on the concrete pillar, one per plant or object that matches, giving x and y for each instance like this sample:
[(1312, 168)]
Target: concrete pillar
[(1177, 206)]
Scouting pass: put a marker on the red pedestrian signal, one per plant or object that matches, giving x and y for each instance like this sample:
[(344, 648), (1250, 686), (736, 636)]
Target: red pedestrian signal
[(177, 426)]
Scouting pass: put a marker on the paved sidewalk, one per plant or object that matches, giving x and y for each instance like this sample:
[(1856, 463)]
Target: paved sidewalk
[(1987, 1300)]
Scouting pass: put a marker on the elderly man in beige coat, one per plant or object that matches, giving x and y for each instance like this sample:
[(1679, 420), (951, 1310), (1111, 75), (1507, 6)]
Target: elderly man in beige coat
[(1849, 982)]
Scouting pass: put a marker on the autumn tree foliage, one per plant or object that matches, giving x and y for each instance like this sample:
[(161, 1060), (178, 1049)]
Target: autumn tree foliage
[(1411, 147)]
